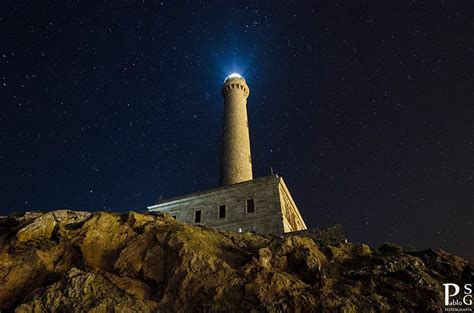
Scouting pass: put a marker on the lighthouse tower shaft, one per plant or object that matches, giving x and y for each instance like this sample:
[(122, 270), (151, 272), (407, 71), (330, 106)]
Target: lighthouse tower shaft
[(236, 161)]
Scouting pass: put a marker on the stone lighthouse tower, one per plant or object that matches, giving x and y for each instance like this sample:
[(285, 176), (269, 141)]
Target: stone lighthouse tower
[(236, 160)]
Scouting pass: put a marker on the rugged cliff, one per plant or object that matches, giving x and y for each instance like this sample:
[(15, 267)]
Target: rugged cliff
[(78, 261)]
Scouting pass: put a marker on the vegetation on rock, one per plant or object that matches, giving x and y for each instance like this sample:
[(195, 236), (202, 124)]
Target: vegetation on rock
[(66, 261)]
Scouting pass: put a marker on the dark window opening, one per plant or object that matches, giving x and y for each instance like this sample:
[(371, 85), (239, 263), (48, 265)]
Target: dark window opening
[(222, 211), (174, 216), (197, 216), (250, 206)]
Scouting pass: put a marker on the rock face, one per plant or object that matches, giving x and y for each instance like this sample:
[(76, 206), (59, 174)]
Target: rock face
[(67, 261)]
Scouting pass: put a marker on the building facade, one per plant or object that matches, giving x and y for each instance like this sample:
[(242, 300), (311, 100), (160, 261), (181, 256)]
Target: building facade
[(262, 205), (241, 203)]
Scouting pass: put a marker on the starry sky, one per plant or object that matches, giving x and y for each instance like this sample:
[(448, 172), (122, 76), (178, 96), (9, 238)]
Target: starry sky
[(364, 107)]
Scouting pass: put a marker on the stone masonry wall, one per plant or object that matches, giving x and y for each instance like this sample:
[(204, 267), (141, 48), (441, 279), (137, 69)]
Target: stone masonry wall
[(292, 220), (267, 217)]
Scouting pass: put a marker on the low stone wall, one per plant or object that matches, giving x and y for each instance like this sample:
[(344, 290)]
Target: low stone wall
[(325, 236)]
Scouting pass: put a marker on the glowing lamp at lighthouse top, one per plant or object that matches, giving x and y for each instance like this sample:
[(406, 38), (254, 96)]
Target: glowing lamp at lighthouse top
[(233, 75)]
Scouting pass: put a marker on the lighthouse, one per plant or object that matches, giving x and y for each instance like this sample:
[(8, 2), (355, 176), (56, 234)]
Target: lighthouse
[(236, 159), (241, 203)]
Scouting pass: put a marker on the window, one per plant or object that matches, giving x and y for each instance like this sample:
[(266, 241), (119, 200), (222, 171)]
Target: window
[(250, 206), (222, 211), (197, 216)]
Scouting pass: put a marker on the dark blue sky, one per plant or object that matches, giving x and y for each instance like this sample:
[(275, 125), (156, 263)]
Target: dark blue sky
[(366, 109)]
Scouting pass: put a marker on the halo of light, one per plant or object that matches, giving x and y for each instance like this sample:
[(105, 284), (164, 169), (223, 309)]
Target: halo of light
[(233, 75)]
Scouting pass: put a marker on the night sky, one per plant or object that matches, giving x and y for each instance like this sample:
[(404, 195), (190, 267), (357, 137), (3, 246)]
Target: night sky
[(365, 108)]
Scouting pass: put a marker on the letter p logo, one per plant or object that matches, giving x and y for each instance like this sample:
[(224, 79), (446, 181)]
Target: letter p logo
[(447, 295)]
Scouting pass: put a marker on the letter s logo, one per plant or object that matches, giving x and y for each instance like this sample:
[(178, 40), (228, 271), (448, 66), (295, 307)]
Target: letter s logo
[(468, 289)]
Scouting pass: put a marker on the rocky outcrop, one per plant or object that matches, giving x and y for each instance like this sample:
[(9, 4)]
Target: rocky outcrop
[(65, 261)]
